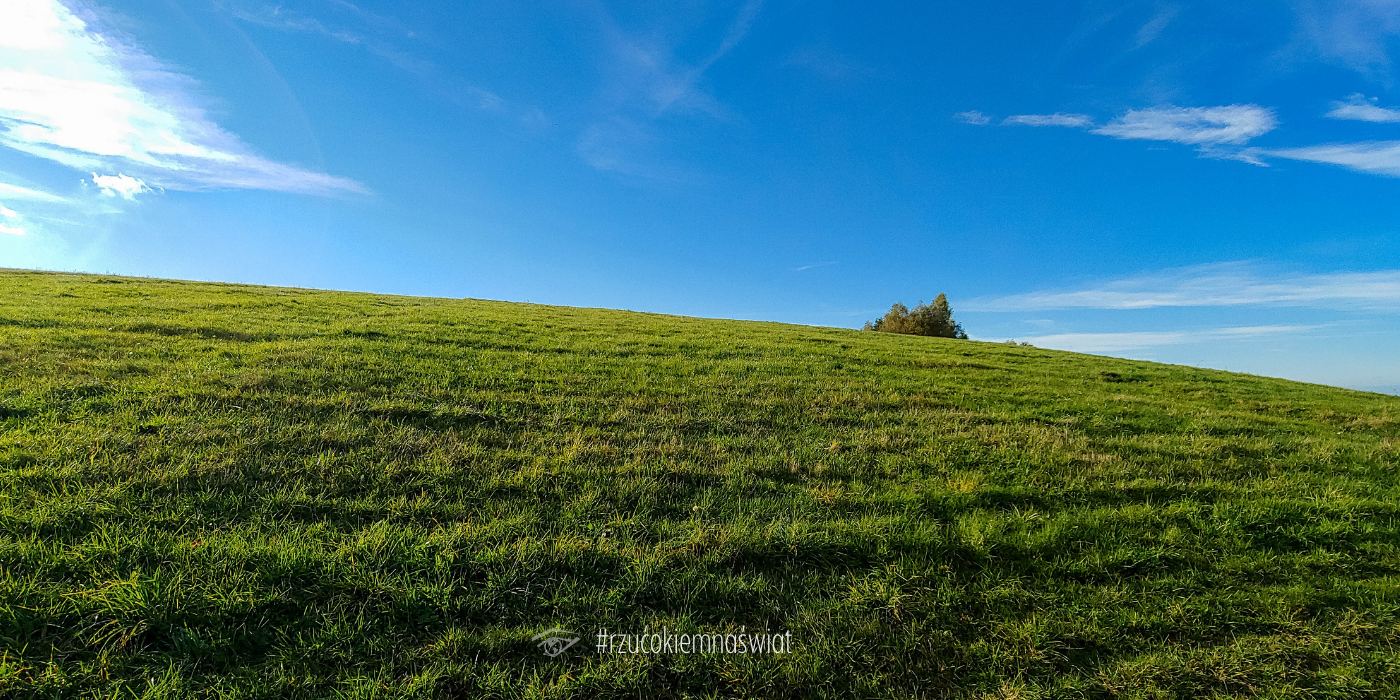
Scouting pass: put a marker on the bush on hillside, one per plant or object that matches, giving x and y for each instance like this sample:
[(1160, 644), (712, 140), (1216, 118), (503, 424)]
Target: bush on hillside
[(934, 319)]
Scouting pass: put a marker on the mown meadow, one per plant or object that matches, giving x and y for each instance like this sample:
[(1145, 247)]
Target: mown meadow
[(227, 491)]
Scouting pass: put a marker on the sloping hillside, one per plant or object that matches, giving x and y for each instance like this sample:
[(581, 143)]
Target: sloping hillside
[(232, 491)]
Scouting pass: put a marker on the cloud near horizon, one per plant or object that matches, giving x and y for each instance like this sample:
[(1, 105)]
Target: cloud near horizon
[(1228, 284), (1116, 342), (76, 97)]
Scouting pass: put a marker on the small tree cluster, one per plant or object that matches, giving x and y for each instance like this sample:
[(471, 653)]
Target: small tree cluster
[(934, 319)]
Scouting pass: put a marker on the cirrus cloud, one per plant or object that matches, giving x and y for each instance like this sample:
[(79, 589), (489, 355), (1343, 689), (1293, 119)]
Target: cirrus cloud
[(1375, 157), (1224, 131), (1118, 342), (1195, 126), (1223, 284), (1056, 119), (1358, 107), (1218, 132), (973, 117), (9, 191), (77, 97)]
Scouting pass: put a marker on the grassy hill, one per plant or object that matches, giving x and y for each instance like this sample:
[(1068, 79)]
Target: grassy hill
[(214, 490)]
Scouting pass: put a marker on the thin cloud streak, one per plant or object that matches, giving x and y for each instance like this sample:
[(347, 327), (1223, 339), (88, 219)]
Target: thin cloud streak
[(379, 35), (279, 18), (1056, 119), (650, 84), (973, 117), (1217, 132), (827, 64), (1115, 342), (618, 145), (1214, 285), (665, 83), (738, 29), (1357, 107), (1375, 157), (8, 191), (1153, 28), (1223, 131), (1355, 34)]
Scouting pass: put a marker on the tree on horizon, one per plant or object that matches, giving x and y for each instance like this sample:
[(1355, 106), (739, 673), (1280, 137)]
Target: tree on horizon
[(934, 320)]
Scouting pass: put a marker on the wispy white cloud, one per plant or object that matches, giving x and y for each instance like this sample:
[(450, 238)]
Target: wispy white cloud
[(1116, 342), (1217, 132), (1105, 342), (649, 82), (621, 145), (1149, 32), (335, 18), (1222, 132), (1195, 126), (344, 22), (382, 36), (1056, 119), (1354, 33), (973, 117), (8, 191), (666, 84), (1256, 331), (83, 99), (826, 64), (284, 19), (1376, 157), (10, 221), (738, 29), (808, 267), (1229, 284), (1360, 108)]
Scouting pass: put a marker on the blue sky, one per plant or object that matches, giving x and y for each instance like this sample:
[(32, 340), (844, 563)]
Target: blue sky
[(1200, 183)]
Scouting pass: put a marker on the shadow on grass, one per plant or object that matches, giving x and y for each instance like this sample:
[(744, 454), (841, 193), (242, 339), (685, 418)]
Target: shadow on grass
[(432, 419), (186, 332)]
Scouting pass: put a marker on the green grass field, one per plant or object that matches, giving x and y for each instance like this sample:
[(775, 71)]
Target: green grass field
[(225, 491)]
